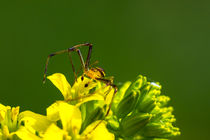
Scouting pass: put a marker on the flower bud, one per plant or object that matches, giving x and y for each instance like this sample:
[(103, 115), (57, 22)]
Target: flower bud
[(120, 94), (113, 125), (134, 123), (147, 104), (156, 85), (163, 100), (140, 81), (144, 91), (160, 130), (127, 104), (136, 85)]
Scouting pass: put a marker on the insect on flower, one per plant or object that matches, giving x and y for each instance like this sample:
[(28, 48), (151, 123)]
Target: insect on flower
[(94, 73)]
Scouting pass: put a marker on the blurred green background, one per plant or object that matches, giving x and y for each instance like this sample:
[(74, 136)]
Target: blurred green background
[(167, 41)]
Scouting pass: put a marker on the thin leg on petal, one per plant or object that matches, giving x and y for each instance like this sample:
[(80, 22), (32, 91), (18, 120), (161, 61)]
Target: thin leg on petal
[(74, 48)]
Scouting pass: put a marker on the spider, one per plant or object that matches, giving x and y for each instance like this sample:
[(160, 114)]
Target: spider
[(94, 73)]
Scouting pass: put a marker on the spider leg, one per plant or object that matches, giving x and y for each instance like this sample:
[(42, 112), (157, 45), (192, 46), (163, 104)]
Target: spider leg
[(87, 62), (70, 58), (94, 63), (108, 83), (81, 58), (47, 62), (88, 56), (74, 48), (110, 105)]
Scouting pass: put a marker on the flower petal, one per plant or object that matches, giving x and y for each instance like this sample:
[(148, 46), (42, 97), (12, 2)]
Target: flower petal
[(70, 117), (53, 112), (82, 87), (24, 134), (3, 110), (14, 113), (59, 80), (90, 98), (54, 133), (38, 122), (100, 132)]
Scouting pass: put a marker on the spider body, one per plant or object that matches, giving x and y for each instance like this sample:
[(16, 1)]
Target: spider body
[(95, 73)]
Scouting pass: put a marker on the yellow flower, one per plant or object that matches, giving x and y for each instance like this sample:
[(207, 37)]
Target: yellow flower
[(8, 121), (71, 120), (79, 92), (34, 122), (25, 125)]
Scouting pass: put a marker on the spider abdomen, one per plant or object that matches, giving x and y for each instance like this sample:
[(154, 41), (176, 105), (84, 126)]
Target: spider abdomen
[(95, 73)]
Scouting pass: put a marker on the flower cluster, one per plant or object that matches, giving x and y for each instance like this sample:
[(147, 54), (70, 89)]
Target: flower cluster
[(140, 112), (88, 112)]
